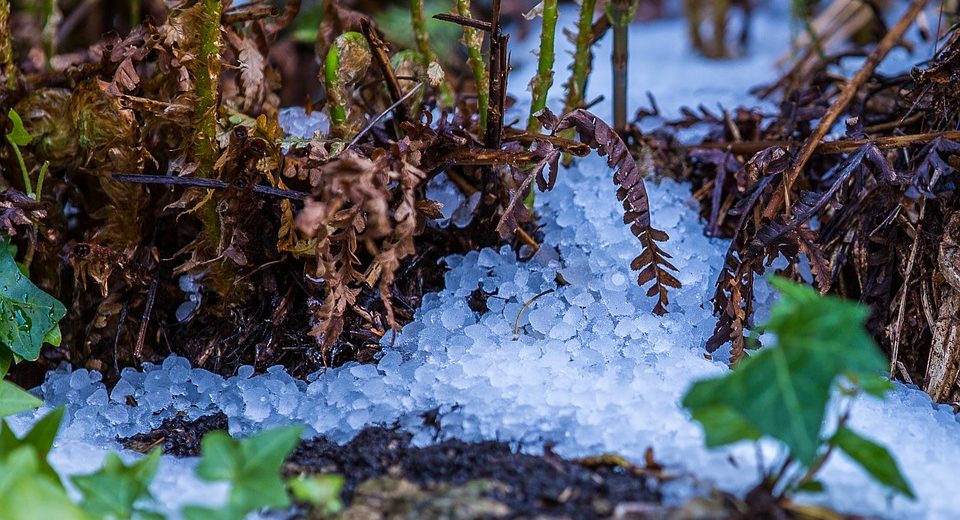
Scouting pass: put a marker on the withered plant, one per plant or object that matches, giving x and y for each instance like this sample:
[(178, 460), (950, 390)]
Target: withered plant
[(178, 216)]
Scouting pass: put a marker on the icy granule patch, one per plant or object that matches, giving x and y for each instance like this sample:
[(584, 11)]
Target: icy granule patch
[(589, 369)]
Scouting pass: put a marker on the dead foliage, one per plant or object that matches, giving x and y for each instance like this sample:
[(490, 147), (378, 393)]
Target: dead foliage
[(870, 216), (178, 217)]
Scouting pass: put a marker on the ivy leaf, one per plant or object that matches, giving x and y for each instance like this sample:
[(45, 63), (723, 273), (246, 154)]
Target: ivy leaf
[(251, 466), (6, 359), (320, 491), (28, 316), (782, 391), (39, 439), (14, 399), (874, 459), (812, 486), (114, 490), (28, 492), (19, 135)]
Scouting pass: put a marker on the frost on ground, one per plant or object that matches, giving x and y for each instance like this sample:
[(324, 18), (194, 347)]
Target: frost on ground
[(586, 366)]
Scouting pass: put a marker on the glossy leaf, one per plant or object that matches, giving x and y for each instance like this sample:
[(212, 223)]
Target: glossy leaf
[(115, 490), (28, 493), (251, 466), (39, 439), (320, 491), (14, 399), (874, 459), (28, 316), (782, 391), (18, 135)]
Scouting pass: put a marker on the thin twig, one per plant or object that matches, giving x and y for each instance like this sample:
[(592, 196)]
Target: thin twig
[(383, 114), (379, 50), (516, 323), (147, 311), (464, 21), (898, 326), (212, 184), (527, 239), (834, 147), (840, 104)]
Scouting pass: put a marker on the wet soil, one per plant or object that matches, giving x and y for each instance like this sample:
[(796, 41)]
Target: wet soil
[(528, 485), (381, 466)]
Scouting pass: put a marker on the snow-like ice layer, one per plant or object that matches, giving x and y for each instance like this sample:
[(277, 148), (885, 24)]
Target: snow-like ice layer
[(589, 369)]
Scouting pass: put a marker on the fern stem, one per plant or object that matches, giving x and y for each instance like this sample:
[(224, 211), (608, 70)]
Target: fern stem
[(346, 62), (420, 34), (206, 78), (134, 13), (580, 70), (7, 66), (541, 83), (473, 40), (620, 13)]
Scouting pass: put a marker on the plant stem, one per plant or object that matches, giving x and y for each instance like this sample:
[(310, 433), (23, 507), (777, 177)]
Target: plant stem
[(40, 177), (27, 185), (206, 77), (582, 58), (134, 13), (420, 34), (347, 61), (50, 21), (7, 67), (541, 83), (338, 112), (473, 40), (620, 12)]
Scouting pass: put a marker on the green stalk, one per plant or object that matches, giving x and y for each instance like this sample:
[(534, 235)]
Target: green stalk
[(420, 34), (582, 58), (331, 73), (422, 38), (27, 185), (134, 13), (7, 67), (620, 13), (49, 23), (206, 78), (473, 40), (346, 63), (541, 83)]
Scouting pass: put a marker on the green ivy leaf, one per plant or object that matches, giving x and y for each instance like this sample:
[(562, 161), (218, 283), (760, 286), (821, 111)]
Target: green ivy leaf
[(28, 316), (14, 399), (874, 459), (251, 466), (27, 492), (6, 359), (39, 439), (19, 135), (782, 391), (812, 486), (320, 491), (115, 490)]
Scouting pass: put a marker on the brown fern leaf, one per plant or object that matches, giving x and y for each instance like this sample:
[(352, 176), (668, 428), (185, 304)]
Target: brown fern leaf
[(549, 162), (653, 262)]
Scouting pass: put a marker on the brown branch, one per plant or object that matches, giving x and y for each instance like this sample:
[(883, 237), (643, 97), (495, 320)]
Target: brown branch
[(498, 80), (211, 184), (488, 157), (464, 21), (840, 105), (382, 59), (257, 12), (566, 145), (834, 147)]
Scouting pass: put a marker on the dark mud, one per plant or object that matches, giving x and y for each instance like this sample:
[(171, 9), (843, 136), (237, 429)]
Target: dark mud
[(528, 485), (385, 474)]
